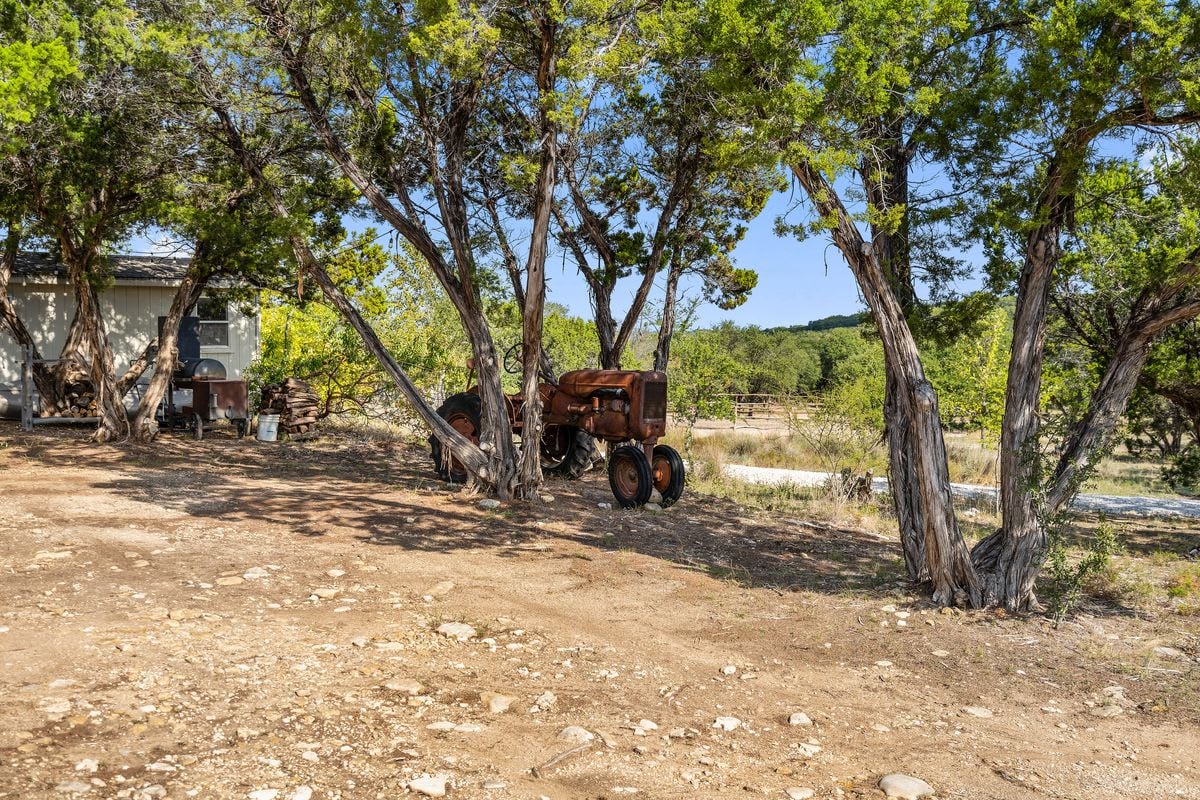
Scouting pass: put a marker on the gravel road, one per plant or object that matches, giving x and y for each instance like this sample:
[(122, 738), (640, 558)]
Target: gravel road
[(1099, 503)]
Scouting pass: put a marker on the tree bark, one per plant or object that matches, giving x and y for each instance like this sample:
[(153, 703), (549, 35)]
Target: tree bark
[(473, 458), (145, 426), (51, 396), (885, 182), (945, 553), (496, 440), (666, 329), (530, 475), (114, 421)]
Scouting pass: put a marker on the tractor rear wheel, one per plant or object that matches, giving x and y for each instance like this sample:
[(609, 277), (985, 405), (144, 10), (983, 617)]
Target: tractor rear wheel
[(667, 469), (463, 411), (629, 476), (566, 451)]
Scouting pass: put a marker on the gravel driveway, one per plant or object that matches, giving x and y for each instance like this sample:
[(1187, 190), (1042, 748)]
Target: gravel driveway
[(1099, 503)]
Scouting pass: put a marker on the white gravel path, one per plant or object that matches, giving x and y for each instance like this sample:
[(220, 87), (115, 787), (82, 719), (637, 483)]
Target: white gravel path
[(1105, 503)]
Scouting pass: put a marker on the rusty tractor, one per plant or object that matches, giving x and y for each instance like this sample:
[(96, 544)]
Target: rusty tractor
[(626, 408)]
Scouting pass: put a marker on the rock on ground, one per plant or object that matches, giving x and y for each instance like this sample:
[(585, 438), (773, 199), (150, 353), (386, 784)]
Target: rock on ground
[(904, 787)]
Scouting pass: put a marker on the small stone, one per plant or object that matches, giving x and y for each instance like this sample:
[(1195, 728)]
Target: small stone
[(57, 707), (434, 786), (807, 750), (604, 506), (941, 653), (87, 765), (253, 574), (335, 573), (489, 504), (310, 755), (546, 498), (653, 508), (442, 726), (904, 787), (456, 630), (884, 664), (576, 734), (229, 580), (301, 793), (405, 686), (978, 711), (880, 728), (728, 669), (440, 588), (799, 793), (327, 592), (495, 786), (1106, 711), (264, 794), (727, 723), (1169, 652), (544, 702), (799, 718), (73, 787), (647, 725), (496, 703)]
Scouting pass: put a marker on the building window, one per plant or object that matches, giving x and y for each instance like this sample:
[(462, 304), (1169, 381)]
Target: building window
[(214, 322)]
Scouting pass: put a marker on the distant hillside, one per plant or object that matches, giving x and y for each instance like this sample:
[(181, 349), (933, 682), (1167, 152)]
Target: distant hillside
[(828, 323)]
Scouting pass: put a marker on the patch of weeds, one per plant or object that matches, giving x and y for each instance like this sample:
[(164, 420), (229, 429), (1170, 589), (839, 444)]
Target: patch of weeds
[(1068, 577), (1162, 558), (1121, 584), (1185, 583)]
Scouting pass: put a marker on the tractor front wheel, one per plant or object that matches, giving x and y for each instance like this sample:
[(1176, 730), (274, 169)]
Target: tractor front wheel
[(667, 469), (463, 411), (629, 476)]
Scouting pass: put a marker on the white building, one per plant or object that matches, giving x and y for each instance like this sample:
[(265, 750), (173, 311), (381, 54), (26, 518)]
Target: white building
[(141, 293)]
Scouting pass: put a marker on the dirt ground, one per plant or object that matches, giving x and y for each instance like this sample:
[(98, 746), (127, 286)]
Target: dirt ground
[(239, 620)]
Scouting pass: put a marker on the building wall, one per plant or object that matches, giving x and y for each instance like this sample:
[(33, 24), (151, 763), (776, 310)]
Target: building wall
[(131, 311)]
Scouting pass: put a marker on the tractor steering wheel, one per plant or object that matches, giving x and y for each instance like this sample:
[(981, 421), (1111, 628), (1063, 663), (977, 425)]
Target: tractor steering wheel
[(512, 361)]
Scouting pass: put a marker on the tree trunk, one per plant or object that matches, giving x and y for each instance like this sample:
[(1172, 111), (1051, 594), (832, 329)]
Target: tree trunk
[(945, 554), (1008, 560), (145, 426), (474, 459), (885, 181), (114, 422), (530, 474), (496, 442), (903, 480), (51, 396), (666, 329)]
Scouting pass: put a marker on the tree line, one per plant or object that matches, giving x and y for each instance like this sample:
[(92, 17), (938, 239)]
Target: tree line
[(1051, 143)]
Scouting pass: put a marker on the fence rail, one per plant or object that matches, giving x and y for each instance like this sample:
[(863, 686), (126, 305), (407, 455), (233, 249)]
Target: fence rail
[(770, 406)]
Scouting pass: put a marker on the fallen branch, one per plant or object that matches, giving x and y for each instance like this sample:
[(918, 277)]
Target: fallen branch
[(540, 771)]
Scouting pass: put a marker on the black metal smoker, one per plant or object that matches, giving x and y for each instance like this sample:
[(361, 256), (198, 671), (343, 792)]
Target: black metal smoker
[(214, 397)]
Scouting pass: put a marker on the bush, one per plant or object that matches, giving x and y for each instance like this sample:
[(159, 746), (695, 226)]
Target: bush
[(1183, 472), (1069, 579)]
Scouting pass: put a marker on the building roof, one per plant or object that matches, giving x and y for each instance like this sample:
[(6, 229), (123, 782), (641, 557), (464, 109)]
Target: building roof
[(125, 268)]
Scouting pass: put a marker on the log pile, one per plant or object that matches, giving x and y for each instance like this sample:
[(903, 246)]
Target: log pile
[(80, 401), (296, 404)]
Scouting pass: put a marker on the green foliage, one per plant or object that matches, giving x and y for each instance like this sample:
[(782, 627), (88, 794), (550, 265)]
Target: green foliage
[(399, 297), (702, 373), (971, 373), (1183, 472), (1068, 576)]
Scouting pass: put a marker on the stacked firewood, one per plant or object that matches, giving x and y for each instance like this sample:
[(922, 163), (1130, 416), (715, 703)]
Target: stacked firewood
[(82, 404), (295, 403)]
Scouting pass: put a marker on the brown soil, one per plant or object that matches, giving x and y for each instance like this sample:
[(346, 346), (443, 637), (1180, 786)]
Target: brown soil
[(120, 644)]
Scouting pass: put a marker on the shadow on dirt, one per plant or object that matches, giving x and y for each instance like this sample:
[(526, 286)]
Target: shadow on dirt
[(386, 495)]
